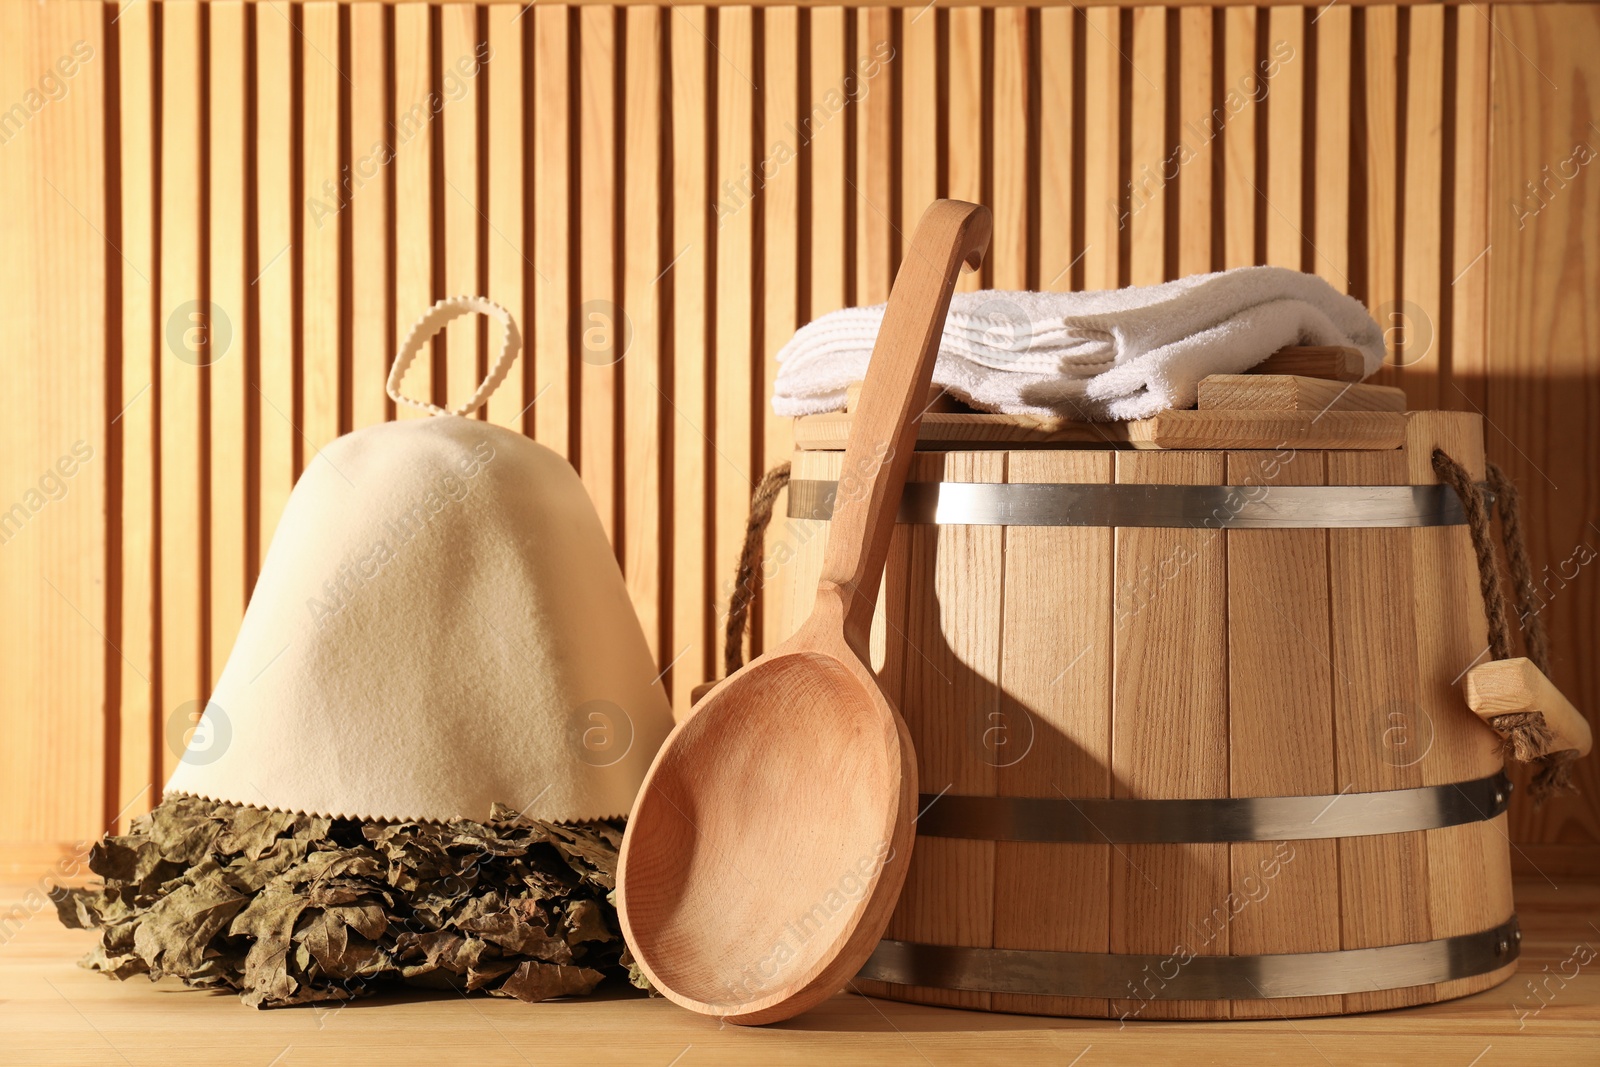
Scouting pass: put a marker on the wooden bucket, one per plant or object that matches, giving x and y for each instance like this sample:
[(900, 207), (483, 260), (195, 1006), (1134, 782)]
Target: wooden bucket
[(1186, 751)]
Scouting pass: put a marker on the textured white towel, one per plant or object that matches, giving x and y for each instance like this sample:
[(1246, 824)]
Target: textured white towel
[(1116, 354)]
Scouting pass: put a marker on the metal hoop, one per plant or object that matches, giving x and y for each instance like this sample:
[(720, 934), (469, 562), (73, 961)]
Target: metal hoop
[(1097, 820), (1183, 975), (1239, 507)]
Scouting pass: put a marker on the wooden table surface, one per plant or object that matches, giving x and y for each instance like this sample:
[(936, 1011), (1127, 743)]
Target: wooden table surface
[(54, 1013)]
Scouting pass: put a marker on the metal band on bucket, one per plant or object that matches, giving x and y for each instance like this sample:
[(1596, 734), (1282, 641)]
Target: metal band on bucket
[(1185, 976), (1238, 507), (1098, 820)]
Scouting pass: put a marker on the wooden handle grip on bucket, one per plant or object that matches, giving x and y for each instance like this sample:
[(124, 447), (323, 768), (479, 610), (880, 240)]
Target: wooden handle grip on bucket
[(884, 431), (1516, 686)]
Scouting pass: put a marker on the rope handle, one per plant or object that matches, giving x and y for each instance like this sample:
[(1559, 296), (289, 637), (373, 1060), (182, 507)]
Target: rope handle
[(1456, 476), (1526, 735), (762, 499), (430, 323)]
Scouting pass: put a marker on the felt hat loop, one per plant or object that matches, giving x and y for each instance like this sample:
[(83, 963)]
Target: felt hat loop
[(432, 321)]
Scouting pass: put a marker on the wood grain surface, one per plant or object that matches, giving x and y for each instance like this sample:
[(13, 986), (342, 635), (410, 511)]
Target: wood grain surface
[(1280, 701), (1169, 734), (719, 175), (1051, 734), (1292, 393), (1540, 378), (58, 1015)]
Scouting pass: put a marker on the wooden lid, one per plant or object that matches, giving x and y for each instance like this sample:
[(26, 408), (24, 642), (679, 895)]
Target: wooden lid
[(1168, 430), (1298, 398)]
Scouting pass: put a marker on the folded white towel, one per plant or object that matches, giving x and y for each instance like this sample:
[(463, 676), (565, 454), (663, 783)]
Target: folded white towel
[(1117, 354)]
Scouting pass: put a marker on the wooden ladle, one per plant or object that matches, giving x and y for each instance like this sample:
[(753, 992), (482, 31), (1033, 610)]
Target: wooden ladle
[(768, 844)]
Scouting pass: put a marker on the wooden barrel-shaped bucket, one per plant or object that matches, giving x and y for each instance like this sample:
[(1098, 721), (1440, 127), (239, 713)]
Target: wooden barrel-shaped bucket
[(1189, 726)]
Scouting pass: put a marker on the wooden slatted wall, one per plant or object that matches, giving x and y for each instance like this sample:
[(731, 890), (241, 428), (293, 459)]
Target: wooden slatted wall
[(218, 230)]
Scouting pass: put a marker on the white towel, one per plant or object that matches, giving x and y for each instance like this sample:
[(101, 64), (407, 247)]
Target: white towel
[(1116, 354)]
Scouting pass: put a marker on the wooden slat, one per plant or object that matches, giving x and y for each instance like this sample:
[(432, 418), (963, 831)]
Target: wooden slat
[(1170, 725), (1051, 735), (1314, 361), (1379, 728), (185, 334), (1280, 725), (553, 288), (1469, 268), (511, 273), (274, 270), (781, 266), (141, 351), (919, 65), (1285, 76), (601, 325), (461, 203), (1420, 349), (962, 75), (1269, 429), (1543, 335), (1008, 200), (641, 551), (415, 198), (229, 281), (371, 256), (829, 148), (322, 303), (874, 117), (1243, 88), (952, 627), (1382, 135), (55, 460), (1197, 140), (831, 431), (692, 618), (1147, 198), (732, 477), (1331, 174), (1102, 123), (1287, 392), (1056, 185)]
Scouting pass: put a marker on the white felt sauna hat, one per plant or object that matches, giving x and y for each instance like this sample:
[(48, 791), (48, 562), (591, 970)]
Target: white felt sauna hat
[(439, 624)]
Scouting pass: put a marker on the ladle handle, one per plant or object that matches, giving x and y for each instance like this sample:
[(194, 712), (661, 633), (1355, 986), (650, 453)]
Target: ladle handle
[(883, 427)]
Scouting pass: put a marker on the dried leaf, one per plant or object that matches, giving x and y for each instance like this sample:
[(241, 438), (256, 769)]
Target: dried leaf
[(270, 921), (178, 928), (532, 982), (594, 848), (250, 832), (182, 839), (339, 950), (486, 975), (519, 938), (585, 921)]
